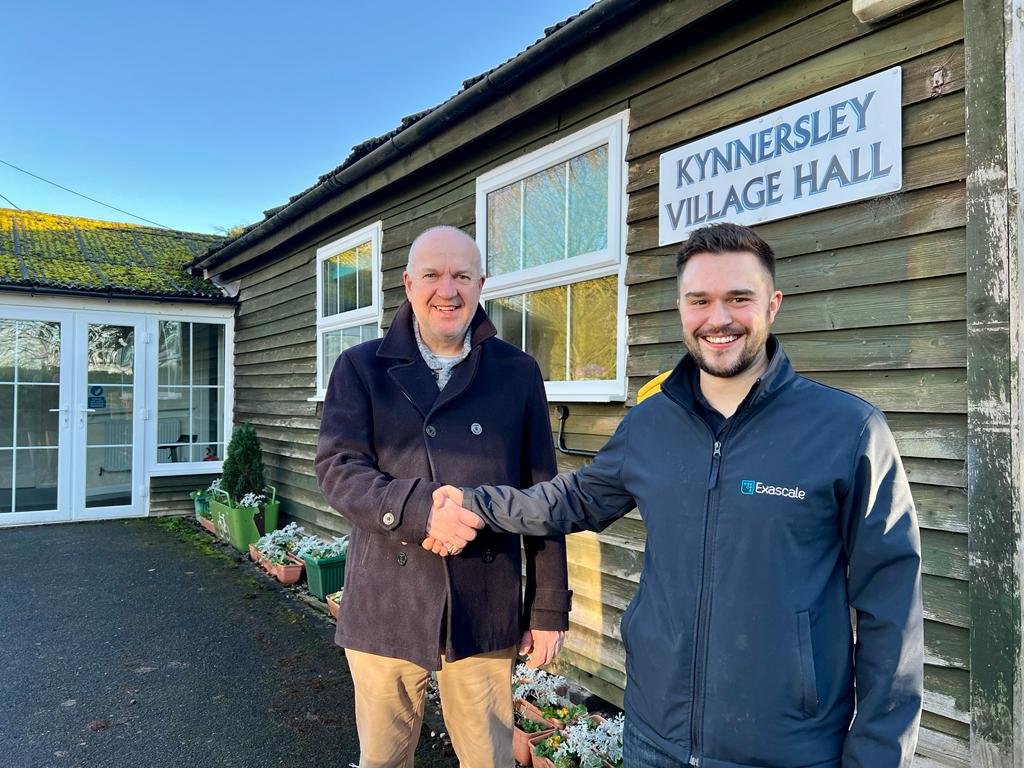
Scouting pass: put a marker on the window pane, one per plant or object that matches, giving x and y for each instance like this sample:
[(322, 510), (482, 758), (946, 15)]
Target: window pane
[(347, 280), (8, 334), (544, 217), (172, 353), (507, 316), (111, 354), (38, 351), (6, 416), (207, 418), (337, 341), (593, 329), (172, 424), (6, 479), (111, 420), (546, 331), (207, 354), (37, 426), (36, 488), (108, 476), (503, 241), (588, 202)]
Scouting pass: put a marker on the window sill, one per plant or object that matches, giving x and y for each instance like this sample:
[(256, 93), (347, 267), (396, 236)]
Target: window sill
[(187, 468), (584, 398), (315, 399)]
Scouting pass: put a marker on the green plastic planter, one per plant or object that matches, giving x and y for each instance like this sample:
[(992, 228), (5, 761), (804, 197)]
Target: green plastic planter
[(325, 575), (236, 524), (201, 500)]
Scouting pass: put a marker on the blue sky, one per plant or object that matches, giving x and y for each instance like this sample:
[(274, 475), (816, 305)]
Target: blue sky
[(200, 115)]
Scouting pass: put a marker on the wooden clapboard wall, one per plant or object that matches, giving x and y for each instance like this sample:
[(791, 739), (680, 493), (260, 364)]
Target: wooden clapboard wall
[(874, 290)]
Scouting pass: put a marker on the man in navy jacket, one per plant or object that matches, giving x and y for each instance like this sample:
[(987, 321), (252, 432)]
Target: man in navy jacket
[(773, 505), (439, 399)]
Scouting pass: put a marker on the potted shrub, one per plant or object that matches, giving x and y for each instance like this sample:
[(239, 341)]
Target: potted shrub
[(325, 564), (273, 552), (590, 742), (241, 510), (540, 696), (525, 729)]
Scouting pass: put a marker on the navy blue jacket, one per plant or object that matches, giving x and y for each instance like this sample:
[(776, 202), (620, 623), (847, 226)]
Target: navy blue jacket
[(388, 438), (739, 649)]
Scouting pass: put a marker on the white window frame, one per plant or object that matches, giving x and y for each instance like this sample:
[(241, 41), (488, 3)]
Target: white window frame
[(610, 261), (362, 316), (156, 467)]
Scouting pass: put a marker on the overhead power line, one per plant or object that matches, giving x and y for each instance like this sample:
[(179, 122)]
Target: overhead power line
[(10, 202), (73, 192)]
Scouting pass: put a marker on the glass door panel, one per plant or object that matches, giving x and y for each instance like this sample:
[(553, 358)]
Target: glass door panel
[(107, 414), (31, 419)]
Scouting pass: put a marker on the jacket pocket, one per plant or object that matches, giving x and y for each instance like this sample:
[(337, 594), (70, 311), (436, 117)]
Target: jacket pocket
[(808, 677), (630, 612)]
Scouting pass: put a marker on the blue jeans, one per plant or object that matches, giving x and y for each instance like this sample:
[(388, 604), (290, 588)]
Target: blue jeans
[(639, 752)]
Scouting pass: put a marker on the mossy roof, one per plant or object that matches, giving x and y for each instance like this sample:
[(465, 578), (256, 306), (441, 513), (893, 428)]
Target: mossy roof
[(47, 250)]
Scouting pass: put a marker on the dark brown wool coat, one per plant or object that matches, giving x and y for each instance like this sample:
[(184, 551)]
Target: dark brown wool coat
[(388, 438)]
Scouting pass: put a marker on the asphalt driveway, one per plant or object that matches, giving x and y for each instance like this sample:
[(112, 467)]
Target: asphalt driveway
[(139, 643)]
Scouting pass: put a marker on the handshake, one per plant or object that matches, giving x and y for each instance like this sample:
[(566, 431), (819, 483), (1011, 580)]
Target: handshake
[(450, 527)]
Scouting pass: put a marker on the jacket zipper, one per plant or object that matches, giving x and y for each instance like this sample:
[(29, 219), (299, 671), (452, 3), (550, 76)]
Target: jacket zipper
[(704, 608)]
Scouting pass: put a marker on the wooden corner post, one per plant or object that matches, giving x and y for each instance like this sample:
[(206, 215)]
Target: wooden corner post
[(993, 31)]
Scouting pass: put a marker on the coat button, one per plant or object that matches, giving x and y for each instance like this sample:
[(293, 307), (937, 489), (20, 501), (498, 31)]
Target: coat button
[(388, 519), (488, 556), (475, 428), (402, 558), (431, 431)]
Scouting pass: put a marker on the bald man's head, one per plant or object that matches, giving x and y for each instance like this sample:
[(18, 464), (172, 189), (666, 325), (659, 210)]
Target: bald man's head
[(442, 235)]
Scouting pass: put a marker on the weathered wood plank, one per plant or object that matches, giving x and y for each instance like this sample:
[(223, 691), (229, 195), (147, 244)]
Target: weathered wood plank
[(932, 254), (304, 270), (937, 472), (254, 326), (944, 554), (302, 293), (947, 646), (941, 508), (904, 347), (284, 367), (938, 390), (930, 435), (940, 750), (946, 601), (887, 47), (256, 353), (947, 692)]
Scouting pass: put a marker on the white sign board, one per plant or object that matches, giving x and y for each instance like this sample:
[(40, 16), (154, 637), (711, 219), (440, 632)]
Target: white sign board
[(831, 149)]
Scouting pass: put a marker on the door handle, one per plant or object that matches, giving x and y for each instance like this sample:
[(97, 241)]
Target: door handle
[(63, 411), (81, 415)]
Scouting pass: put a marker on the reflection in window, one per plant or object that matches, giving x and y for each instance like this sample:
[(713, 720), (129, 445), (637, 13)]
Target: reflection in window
[(569, 329), (29, 423), (190, 392), (549, 216)]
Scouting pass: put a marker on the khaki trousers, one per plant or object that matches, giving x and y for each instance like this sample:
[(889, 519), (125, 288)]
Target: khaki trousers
[(476, 700)]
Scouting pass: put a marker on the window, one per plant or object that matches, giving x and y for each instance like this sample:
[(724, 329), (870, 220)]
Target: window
[(190, 392), (347, 297), (550, 228)]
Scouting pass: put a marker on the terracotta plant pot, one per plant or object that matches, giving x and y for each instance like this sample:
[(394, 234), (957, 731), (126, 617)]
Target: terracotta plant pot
[(286, 573), (208, 525), (254, 553), (333, 607), (537, 760), (522, 749), (532, 712)]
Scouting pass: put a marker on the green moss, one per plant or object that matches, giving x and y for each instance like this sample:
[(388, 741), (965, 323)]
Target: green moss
[(184, 530), (70, 252)]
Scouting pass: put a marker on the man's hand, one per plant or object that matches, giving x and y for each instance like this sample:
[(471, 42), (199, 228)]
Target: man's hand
[(540, 646), (449, 526)]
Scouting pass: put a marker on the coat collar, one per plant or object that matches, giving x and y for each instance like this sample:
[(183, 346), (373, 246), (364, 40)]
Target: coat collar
[(410, 371), (400, 341), (679, 386)]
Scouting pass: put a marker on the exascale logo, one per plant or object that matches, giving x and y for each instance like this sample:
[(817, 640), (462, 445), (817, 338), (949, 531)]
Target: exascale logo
[(757, 488)]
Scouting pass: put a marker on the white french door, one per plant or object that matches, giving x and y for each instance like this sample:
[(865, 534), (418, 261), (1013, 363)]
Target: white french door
[(70, 439)]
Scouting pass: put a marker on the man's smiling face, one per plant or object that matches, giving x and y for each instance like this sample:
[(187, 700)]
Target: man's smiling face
[(727, 304), (443, 283)]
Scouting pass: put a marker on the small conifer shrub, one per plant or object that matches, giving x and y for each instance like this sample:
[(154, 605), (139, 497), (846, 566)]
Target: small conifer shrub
[(243, 466)]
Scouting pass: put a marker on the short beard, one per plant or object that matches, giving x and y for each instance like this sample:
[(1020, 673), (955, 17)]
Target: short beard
[(752, 347)]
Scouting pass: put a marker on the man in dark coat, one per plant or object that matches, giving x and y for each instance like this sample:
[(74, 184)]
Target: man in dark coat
[(440, 399)]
